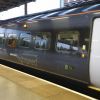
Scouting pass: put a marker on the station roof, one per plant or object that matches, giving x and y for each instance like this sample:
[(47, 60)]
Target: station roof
[(7, 4)]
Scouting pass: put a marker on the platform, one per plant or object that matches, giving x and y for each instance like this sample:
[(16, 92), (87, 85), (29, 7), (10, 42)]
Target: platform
[(16, 85)]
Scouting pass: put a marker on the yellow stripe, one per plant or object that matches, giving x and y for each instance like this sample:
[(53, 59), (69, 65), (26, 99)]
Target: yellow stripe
[(94, 88)]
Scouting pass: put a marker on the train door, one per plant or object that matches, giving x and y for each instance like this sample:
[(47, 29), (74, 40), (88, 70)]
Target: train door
[(95, 54), (11, 44)]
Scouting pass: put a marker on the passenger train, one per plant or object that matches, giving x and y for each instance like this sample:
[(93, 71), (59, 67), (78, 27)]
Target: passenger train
[(64, 42)]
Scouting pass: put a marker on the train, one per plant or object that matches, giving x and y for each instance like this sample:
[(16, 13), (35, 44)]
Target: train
[(63, 41)]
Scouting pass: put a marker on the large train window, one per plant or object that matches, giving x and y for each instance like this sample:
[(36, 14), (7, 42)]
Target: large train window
[(42, 40), (73, 42), (12, 40), (25, 39), (68, 42)]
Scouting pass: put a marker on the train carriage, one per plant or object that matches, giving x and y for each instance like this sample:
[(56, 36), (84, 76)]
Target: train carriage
[(64, 42)]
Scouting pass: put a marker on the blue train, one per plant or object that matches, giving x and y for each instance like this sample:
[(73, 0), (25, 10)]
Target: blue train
[(64, 42)]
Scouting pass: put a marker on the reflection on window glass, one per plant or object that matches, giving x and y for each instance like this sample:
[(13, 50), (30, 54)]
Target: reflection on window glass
[(84, 45), (12, 40), (25, 39), (42, 40), (68, 42), (1, 39)]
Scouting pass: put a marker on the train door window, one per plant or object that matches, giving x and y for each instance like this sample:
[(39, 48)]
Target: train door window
[(68, 42), (12, 40), (1, 39), (25, 40), (42, 40)]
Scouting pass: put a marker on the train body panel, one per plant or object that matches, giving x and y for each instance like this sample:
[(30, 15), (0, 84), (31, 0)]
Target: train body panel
[(66, 59), (60, 23)]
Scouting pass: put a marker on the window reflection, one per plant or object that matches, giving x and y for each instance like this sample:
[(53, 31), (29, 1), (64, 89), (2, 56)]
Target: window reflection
[(69, 42), (25, 40), (12, 40), (42, 40), (1, 39)]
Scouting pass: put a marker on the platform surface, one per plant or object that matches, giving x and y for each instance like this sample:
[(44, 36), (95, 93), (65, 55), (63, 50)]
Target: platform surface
[(16, 85)]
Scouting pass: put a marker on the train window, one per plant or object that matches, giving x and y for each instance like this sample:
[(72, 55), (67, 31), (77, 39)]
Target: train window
[(1, 39), (42, 40), (68, 42), (94, 7), (73, 42), (68, 11), (49, 14), (12, 40), (36, 17), (25, 40)]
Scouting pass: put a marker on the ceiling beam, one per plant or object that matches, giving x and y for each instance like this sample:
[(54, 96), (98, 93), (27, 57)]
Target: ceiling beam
[(8, 4)]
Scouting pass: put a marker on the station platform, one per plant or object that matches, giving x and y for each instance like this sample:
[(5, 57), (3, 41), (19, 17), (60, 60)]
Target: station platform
[(16, 85)]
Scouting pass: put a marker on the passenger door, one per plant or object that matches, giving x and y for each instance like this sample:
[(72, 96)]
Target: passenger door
[(95, 54)]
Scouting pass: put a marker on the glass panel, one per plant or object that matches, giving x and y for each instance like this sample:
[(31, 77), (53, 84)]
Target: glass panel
[(68, 42), (92, 7), (25, 40), (72, 42), (12, 40), (42, 40), (50, 14), (68, 11), (1, 38), (37, 16)]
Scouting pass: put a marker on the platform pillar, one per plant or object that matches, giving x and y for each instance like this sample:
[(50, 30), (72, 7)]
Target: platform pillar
[(25, 9)]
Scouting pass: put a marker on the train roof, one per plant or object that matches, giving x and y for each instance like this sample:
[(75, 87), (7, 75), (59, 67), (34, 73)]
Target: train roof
[(71, 8)]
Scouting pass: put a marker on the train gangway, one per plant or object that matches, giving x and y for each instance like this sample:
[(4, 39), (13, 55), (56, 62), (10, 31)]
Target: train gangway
[(16, 85)]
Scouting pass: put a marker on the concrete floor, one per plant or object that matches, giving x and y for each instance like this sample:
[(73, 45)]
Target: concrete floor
[(15, 85)]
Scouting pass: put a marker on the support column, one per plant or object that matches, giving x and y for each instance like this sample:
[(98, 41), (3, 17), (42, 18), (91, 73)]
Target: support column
[(25, 9), (61, 3)]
